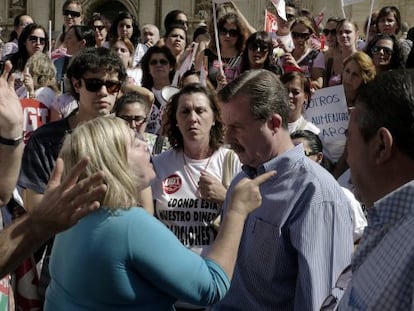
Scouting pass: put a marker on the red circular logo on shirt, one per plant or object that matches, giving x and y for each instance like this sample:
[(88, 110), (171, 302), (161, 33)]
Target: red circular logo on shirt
[(172, 184)]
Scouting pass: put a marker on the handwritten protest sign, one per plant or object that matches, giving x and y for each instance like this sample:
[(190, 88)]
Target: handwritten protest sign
[(328, 110)]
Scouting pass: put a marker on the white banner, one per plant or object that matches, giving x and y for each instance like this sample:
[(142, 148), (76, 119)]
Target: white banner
[(328, 110), (350, 2)]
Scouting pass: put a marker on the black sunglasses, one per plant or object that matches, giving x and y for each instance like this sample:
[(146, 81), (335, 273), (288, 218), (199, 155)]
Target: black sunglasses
[(230, 32), (35, 39), (386, 50), (138, 119), (94, 85), (71, 13), (99, 27), (163, 62), (328, 32), (300, 35), (258, 47)]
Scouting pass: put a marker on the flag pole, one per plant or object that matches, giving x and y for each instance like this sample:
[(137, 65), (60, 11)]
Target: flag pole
[(369, 20), (216, 36)]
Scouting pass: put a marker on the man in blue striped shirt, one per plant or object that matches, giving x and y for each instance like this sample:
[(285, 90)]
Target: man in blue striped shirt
[(295, 245), (381, 156)]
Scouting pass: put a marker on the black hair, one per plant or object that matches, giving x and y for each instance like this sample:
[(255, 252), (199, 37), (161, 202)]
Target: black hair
[(136, 34)]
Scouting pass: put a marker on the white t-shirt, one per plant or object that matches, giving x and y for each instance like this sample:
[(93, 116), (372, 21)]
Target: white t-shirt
[(177, 201), (303, 124)]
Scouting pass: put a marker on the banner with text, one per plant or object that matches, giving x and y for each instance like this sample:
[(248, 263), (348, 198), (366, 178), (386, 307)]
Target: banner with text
[(328, 110)]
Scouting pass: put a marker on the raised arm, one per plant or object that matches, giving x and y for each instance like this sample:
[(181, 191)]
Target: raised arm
[(11, 130), (61, 207), (244, 199)]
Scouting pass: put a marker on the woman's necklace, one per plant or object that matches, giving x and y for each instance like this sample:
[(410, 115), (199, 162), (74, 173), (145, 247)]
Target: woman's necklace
[(188, 168)]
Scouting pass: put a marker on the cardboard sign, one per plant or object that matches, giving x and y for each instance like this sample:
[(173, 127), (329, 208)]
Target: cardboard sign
[(328, 111)]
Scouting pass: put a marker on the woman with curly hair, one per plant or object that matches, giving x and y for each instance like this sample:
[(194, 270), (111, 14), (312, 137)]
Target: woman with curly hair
[(193, 170)]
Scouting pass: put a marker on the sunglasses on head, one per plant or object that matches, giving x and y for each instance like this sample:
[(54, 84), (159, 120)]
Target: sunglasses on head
[(230, 32), (300, 35), (36, 39), (258, 47), (94, 85), (328, 32), (385, 50), (71, 13), (138, 119), (99, 27), (163, 62)]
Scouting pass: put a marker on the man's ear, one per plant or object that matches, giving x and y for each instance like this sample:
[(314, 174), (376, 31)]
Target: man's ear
[(76, 84), (275, 122), (383, 145)]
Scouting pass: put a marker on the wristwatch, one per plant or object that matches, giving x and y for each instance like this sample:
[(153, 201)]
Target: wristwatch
[(11, 142)]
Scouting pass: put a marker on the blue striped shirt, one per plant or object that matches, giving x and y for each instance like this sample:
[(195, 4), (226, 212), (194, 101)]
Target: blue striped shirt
[(296, 244), (383, 265)]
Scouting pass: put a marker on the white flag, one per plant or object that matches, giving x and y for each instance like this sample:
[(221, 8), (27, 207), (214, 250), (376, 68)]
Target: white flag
[(349, 2), (280, 6)]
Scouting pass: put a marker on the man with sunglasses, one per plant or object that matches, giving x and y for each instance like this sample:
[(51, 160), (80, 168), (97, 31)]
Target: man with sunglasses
[(282, 38), (96, 76)]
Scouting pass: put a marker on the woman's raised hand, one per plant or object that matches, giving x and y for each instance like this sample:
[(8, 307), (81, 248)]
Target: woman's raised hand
[(246, 195)]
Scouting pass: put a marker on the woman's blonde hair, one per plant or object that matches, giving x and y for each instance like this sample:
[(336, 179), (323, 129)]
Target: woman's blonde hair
[(42, 70), (104, 141)]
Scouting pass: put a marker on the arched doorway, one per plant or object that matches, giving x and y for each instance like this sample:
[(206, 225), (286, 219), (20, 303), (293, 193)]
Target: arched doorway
[(110, 8)]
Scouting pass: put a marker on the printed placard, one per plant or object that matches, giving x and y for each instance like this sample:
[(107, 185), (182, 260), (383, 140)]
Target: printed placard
[(328, 111)]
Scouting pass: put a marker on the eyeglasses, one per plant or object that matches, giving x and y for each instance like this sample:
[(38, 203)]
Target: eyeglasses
[(328, 32), (139, 120), (230, 32), (331, 302), (71, 13), (98, 27), (300, 35), (258, 47), (387, 51), (162, 62), (36, 39), (94, 85)]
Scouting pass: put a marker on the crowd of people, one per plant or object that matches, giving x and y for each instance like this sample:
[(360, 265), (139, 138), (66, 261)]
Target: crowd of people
[(163, 170)]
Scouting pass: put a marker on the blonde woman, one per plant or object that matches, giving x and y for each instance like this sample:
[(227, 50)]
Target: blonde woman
[(125, 258), (39, 82)]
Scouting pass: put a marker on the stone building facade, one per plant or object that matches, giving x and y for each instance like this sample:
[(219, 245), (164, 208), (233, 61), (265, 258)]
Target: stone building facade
[(153, 11)]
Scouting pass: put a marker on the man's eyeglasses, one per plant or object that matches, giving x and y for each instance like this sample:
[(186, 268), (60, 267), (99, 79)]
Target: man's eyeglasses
[(139, 120), (36, 39), (300, 35), (328, 32), (94, 85), (331, 302), (258, 47), (384, 49), (231, 32), (99, 27), (71, 13), (155, 62)]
